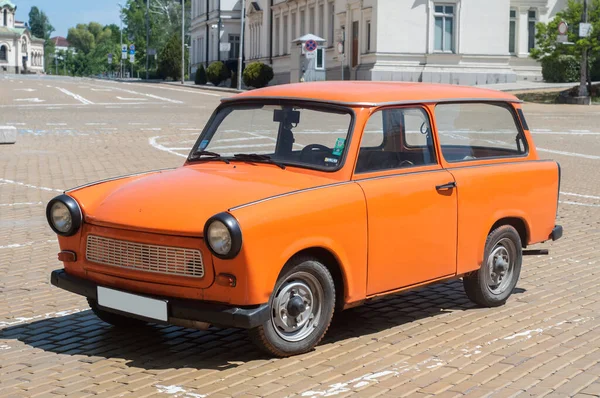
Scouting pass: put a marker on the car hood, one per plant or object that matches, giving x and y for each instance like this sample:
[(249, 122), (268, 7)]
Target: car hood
[(179, 201)]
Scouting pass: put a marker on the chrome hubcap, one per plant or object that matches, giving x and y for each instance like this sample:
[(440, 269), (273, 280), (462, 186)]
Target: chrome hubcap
[(500, 266), (296, 307)]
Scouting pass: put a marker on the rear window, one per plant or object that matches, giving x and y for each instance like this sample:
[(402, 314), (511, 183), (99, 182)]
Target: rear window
[(470, 131)]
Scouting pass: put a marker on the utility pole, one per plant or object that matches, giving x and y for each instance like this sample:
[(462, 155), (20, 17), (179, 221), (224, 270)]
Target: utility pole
[(121, 67), (583, 92), (241, 50), (147, 35), (182, 41)]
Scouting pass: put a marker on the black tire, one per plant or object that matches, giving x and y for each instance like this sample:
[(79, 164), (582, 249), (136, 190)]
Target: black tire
[(477, 284), (114, 319), (269, 337)]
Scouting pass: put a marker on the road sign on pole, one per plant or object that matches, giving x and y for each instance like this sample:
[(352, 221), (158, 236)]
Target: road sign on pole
[(124, 51), (585, 29), (110, 57)]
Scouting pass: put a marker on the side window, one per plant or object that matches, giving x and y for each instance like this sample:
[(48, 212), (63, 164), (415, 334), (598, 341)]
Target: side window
[(477, 131), (394, 139)]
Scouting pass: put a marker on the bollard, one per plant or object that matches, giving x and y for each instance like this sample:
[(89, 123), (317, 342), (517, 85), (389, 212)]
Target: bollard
[(8, 134)]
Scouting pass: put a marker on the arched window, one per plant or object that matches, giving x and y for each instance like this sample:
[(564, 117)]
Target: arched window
[(3, 53), (5, 17)]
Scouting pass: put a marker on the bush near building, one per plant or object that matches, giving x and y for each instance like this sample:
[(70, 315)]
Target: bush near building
[(561, 69), (257, 75), (169, 64), (200, 75), (217, 72)]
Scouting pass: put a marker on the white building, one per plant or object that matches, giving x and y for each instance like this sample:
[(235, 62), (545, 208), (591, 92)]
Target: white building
[(20, 52), (215, 31), (454, 41), (61, 44)]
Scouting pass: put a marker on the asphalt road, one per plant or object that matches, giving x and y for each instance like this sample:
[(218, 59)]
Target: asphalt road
[(433, 341)]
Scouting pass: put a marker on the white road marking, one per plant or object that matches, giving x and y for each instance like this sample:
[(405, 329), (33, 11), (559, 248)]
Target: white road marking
[(151, 129), (22, 320), (76, 96), (15, 124), (102, 89), (29, 185), (56, 124), (152, 142), (20, 204), (139, 124), (96, 124), (568, 202), (29, 100), (17, 245), (574, 154), (189, 129), (177, 391), (30, 90), (579, 195), (149, 95), (193, 91), (131, 99)]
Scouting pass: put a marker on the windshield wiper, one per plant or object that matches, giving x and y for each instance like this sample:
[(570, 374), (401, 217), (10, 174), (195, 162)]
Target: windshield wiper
[(255, 157), (207, 155)]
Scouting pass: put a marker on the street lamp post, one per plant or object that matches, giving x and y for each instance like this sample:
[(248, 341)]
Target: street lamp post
[(241, 51), (147, 35), (583, 92), (182, 41)]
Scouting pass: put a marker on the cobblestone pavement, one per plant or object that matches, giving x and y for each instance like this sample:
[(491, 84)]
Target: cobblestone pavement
[(544, 342)]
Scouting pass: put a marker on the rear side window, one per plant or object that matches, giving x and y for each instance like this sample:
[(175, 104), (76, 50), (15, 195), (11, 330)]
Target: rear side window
[(478, 131)]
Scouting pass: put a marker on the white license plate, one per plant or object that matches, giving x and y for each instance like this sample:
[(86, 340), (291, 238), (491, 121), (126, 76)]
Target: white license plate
[(132, 303)]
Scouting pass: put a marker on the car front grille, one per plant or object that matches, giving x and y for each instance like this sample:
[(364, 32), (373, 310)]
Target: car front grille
[(144, 257)]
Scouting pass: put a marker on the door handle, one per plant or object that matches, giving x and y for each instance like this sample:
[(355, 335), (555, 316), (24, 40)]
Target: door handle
[(450, 185)]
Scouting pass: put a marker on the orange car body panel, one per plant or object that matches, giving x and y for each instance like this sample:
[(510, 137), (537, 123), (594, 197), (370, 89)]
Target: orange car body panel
[(387, 230)]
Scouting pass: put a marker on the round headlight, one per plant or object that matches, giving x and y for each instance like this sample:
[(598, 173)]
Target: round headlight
[(219, 238), (223, 235), (64, 215), (61, 217)]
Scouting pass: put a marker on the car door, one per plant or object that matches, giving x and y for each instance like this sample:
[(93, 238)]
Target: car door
[(411, 201)]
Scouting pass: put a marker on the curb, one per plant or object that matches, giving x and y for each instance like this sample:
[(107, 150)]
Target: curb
[(205, 87)]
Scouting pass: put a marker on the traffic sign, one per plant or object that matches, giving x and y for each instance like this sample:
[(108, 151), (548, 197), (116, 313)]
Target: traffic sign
[(562, 38), (132, 48), (131, 58), (585, 29), (124, 51), (310, 46), (311, 55), (110, 57), (563, 28), (340, 47)]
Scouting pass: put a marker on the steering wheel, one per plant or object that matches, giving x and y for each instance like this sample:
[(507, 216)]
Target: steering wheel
[(307, 149)]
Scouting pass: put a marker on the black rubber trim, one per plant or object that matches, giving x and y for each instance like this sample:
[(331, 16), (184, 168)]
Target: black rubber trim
[(216, 314), (557, 232), (74, 209), (522, 117), (234, 229)]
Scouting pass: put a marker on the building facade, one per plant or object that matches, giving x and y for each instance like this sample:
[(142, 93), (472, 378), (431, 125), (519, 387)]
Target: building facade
[(20, 52), (215, 31)]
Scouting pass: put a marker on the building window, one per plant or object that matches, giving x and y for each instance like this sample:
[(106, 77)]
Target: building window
[(512, 31), (302, 22), (5, 18), (294, 31), (321, 20), (3, 56), (444, 28), (286, 43), (276, 49), (331, 24), (531, 20), (368, 36), (311, 20), (234, 46)]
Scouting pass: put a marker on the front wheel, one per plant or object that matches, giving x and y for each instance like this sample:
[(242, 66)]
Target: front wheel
[(493, 283), (301, 307)]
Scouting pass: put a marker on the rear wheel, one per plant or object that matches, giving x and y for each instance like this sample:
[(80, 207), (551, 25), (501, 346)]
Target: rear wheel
[(495, 281), (112, 318), (301, 307)]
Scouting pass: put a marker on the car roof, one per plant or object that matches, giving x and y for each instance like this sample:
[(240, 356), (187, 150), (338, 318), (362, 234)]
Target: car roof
[(368, 93)]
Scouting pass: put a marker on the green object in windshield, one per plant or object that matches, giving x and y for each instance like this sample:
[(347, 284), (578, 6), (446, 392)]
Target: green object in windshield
[(339, 146)]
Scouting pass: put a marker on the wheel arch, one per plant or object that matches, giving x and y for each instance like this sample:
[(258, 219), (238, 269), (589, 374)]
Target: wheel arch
[(518, 223)]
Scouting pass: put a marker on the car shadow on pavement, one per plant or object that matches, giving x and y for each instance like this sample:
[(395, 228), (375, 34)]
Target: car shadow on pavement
[(162, 347)]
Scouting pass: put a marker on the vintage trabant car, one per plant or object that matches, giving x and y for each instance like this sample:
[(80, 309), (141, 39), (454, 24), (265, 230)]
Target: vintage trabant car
[(298, 200)]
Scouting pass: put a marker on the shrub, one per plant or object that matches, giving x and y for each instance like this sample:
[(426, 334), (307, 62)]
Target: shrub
[(560, 69), (200, 75), (217, 73), (169, 64), (257, 75)]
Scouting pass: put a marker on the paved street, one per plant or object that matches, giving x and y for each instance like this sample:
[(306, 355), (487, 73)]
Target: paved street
[(432, 341)]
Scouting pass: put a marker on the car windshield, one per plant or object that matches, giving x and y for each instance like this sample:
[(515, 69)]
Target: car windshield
[(305, 136)]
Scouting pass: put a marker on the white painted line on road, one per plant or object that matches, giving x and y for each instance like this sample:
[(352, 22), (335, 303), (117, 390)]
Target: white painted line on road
[(193, 91), (579, 155), (149, 95), (4, 347), (16, 124), (76, 96), (131, 99), (177, 391), (20, 204), (579, 195), (29, 185), (30, 90), (151, 129), (96, 124), (571, 132), (17, 245), (568, 202), (102, 89), (22, 320), (241, 146), (189, 129), (108, 129), (138, 124), (56, 124), (29, 100), (152, 142)]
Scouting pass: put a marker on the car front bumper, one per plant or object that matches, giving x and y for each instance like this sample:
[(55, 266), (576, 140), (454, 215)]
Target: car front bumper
[(557, 232), (178, 309)]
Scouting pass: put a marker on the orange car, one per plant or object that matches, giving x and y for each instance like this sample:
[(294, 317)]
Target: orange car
[(297, 200)]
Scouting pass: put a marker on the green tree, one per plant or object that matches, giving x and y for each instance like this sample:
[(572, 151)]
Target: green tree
[(40, 27), (257, 74), (549, 50), (93, 43), (169, 62), (200, 75)]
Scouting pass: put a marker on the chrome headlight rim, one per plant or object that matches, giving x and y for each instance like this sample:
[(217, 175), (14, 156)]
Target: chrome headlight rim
[(235, 232), (74, 211)]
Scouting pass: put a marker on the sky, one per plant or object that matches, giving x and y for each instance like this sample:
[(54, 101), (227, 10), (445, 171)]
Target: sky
[(65, 14)]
